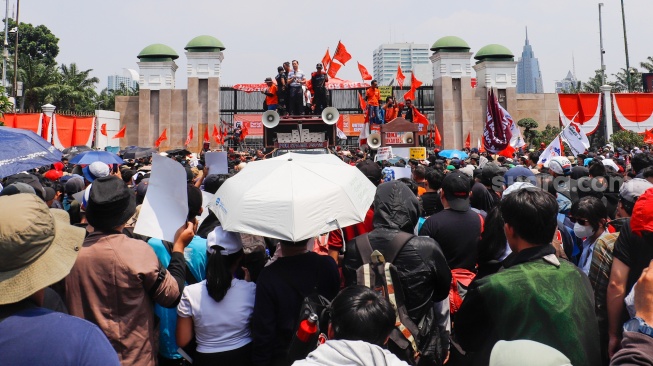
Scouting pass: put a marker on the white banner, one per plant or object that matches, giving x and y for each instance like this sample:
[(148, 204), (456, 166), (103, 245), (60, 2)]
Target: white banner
[(576, 140)]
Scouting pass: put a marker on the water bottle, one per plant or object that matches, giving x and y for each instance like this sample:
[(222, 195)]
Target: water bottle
[(305, 340)]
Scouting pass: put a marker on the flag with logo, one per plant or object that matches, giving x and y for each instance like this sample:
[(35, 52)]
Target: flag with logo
[(496, 134), (326, 60), (400, 77), (575, 138), (365, 75), (341, 54), (554, 149)]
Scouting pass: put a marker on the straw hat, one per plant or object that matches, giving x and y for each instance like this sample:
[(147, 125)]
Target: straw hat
[(38, 246)]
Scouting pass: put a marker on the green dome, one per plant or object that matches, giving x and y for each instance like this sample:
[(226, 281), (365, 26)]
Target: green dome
[(157, 52), (495, 52), (450, 44), (204, 44)]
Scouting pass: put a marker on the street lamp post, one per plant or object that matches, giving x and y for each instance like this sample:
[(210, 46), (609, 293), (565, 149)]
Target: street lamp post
[(623, 19), (5, 52), (602, 50)]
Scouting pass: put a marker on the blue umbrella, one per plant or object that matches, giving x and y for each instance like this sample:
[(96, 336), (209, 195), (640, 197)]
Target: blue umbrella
[(450, 154), (89, 157), (22, 150)]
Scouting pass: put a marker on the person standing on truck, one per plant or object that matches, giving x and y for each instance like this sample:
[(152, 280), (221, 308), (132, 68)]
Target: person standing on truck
[(296, 80), (319, 78), (271, 97)]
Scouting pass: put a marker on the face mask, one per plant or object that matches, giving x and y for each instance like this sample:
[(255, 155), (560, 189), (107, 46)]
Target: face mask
[(583, 231)]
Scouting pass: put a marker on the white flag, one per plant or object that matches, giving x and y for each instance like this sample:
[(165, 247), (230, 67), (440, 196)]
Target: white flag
[(341, 135), (554, 149), (576, 139)]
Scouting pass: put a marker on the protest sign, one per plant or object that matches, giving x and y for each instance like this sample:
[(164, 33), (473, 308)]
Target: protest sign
[(383, 153), (401, 172), (217, 162), (165, 207), (417, 153)]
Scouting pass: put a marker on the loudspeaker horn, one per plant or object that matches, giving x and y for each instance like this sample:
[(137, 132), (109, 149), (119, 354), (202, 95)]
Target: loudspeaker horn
[(270, 119), (330, 115), (407, 138), (374, 140)]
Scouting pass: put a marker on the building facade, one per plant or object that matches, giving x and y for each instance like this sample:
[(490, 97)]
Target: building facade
[(567, 85), (411, 57), (117, 82), (529, 77)]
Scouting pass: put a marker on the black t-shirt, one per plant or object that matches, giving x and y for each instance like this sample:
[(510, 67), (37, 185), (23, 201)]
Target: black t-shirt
[(634, 251), (483, 198), (318, 81), (431, 203), (458, 233)]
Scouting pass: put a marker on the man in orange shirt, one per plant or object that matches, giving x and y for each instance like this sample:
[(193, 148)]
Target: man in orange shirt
[(271, 97), (373, 95), (390, 109)]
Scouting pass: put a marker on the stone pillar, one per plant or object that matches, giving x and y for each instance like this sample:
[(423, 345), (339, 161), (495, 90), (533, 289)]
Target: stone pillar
[(48, 110), (607, 110)]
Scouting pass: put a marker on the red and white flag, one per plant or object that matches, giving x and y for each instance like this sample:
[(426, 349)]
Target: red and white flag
[(496, 134)]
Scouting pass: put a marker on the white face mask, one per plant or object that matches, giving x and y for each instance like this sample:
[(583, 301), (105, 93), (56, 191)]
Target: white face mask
[(583, 231)]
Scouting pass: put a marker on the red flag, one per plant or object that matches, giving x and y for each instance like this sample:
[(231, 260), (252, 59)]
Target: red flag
[(364, 74), (508, 152), (362, 103), (400, 77), (333, 69), (103, 129), (414, 83), (326, 60), (648, 137), (341, 54), (410, 95), (437, 139), (245, 132), (120, 133), (216, 134), (206, 136), (163, 136), (46, 127), (419, 118), (468, 140), (190, 136)]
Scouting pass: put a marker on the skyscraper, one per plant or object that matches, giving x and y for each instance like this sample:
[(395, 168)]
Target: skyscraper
[(412, 56), (129, 79), (568, 84), (529, 77)]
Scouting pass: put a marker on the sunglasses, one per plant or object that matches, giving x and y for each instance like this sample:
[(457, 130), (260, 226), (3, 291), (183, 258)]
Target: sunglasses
[(580, 221)]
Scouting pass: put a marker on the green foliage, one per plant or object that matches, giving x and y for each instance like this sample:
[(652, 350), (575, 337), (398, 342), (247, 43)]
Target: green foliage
[(545, 136), (107, 98), (35, 43), (621, 85), (648, 64), (625, 138), (73, 90), (593, 85), (529, 125), (5, 104)]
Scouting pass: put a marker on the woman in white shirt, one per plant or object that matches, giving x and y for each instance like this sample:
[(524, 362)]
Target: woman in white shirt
[(218, 310)]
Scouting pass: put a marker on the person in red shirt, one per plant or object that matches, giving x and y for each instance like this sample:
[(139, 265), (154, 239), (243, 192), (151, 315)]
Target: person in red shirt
[(271, 97), (373, 95)]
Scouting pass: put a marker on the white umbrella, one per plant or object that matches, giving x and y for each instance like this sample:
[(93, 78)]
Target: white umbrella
[(293, 197)]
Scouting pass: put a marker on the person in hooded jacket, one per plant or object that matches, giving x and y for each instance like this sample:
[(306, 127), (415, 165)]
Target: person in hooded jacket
[(423, 271)]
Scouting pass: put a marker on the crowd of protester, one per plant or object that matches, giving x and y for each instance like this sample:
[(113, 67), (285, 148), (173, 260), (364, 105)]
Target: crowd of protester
[(503, 261)]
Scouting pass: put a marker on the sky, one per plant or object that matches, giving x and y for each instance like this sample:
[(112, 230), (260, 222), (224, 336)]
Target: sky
[(259, 35)]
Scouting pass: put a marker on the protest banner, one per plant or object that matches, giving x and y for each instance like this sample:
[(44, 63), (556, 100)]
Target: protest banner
[(383, 153), (417, 153)]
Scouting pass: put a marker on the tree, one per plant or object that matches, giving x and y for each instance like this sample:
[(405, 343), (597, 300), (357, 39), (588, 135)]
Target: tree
[(74, 89), (529, 125), (622, 81), (593, 85), (648, 64), (546, 136), (107, 98), (626, 138)]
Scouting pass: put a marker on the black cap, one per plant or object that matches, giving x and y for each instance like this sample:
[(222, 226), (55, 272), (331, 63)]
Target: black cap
[(456, 186), (318, 65), (371, 170), (110, 203)]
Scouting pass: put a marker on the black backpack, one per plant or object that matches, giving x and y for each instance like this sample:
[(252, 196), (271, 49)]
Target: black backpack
[(408, 340)]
